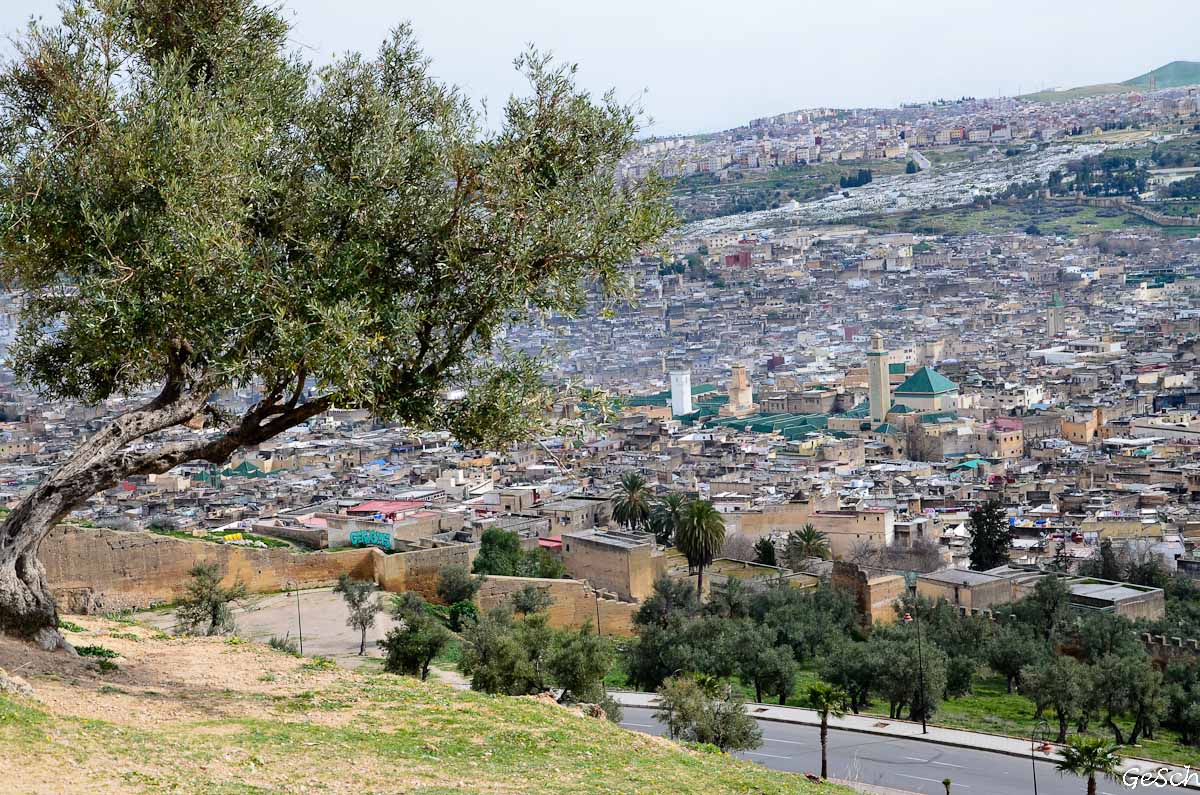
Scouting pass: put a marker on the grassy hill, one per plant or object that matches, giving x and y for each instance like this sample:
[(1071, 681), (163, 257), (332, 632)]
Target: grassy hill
[(215, 717), (1172, 75)]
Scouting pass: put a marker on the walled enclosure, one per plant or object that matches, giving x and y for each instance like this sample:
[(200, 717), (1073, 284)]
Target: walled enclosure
[(95, 570)]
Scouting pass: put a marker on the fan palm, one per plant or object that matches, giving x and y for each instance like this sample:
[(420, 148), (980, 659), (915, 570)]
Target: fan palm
[(827, 700), (632, 505), (700, 537), (1087, 756), (666, 516), (807, 542)]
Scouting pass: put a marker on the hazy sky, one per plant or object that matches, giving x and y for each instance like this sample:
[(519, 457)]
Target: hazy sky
[(705, 64)]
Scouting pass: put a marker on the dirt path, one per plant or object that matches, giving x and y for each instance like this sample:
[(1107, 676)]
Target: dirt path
[(322, 617)]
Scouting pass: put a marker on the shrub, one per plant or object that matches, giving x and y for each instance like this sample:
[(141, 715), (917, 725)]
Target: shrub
[(205, 607), (96, 651), (319, 664), (463, 614), (284, 644), (455, 584), (412, 645)]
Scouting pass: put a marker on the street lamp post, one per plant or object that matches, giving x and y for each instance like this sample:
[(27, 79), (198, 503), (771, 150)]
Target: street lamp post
[(1041, 730), (909, 617)]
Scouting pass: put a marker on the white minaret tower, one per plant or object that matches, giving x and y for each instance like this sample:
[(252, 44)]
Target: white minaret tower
[(877, 374), (681, 392)]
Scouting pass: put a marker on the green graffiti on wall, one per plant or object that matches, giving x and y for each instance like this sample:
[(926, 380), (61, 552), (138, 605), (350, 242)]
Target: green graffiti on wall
[(371, 538)]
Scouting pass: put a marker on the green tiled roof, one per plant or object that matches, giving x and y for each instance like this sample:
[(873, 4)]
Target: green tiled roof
[(896, 369), (885, 427), (926, 381), (900, 408), (663, 398), (858, 412), (938, 416)]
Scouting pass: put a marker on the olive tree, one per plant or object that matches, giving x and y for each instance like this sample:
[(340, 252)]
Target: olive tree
[(191, 211)]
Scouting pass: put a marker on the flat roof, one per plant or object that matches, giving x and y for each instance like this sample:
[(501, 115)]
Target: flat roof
[(610, 538), (959, 577)]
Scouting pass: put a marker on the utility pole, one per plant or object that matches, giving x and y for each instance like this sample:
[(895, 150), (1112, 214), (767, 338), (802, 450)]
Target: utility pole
[(299, 621)]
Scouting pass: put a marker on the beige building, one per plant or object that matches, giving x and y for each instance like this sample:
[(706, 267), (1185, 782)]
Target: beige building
[(972, 590), (850, 530), (620, 563)]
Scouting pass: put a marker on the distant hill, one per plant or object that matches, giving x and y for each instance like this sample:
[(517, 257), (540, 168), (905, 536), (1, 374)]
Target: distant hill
[(1172, 75)]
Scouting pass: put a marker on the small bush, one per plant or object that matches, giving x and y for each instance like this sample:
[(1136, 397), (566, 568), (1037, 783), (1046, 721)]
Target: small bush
[(125, 636), (319, 664), (463, 614), (108, 666), (96, 651), (70, 626), (285, 645)]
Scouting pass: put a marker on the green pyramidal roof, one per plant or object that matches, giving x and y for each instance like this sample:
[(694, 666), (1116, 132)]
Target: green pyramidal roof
[(926, 381)]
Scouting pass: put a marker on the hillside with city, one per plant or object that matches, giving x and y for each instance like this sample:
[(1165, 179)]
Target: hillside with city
[(353, 439)]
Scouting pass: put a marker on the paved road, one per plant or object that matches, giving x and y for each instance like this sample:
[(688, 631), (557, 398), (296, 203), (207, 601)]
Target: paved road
[(903, 764)]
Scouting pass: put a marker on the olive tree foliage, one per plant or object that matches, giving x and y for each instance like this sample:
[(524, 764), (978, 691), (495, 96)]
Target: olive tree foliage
[(187, 208)]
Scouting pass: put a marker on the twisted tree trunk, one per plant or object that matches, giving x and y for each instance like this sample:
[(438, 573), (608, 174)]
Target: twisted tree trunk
[(27, 609)]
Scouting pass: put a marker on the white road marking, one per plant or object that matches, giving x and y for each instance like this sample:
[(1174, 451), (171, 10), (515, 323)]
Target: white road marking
[(934, 780), (931, 761), (768, 756), (641, 725), (776, 740)]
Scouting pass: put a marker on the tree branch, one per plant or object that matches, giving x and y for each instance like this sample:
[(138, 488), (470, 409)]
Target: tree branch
[(254, 428)]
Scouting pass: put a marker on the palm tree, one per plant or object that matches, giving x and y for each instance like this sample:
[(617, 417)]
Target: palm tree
[(666, 516), (807, 542), (700, 537), (632, 505), (827, 700), (1087, 756)]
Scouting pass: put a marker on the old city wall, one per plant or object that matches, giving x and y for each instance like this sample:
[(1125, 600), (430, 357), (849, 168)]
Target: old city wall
[(97, 569), (574, 603), (418, 570)]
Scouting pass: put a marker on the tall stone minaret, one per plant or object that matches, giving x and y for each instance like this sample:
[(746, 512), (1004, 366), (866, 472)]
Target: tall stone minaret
[(877, 374), (1056, 324)]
